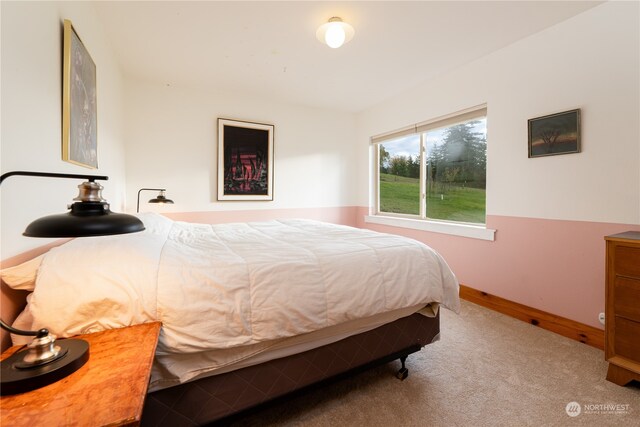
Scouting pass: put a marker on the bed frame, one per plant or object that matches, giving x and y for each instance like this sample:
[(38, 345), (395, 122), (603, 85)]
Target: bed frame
[(219, 398)]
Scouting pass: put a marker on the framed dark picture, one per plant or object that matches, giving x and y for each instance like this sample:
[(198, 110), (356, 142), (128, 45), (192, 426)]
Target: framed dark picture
[(79, 102), (245, 160), (555, 134)]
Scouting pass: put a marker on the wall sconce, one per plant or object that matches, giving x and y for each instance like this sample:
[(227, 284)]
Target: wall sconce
[(46, 360), (161, 198), (335, 33)]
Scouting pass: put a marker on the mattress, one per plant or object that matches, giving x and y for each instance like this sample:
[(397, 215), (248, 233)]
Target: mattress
[(172, 369)]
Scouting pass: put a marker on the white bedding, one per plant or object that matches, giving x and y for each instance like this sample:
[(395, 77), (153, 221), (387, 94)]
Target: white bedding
[(227, 286)]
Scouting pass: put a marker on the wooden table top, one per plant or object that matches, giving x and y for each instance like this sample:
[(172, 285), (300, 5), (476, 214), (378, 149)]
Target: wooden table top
[(108, 390)]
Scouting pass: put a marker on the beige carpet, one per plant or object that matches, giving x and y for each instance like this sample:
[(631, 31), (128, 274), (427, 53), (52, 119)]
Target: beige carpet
[(487, 370)]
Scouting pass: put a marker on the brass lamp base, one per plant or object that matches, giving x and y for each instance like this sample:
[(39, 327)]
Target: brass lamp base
[(15, 379)]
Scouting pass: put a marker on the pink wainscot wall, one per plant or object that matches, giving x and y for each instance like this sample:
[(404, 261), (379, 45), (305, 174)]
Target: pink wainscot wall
[(552, 265)]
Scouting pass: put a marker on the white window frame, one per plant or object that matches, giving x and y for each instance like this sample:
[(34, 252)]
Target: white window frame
[(421, 222)]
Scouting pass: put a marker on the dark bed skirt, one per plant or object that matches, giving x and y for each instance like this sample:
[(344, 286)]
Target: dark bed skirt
[(209, 399)]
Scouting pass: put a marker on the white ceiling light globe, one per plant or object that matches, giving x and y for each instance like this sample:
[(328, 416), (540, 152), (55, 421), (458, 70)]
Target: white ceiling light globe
[(335, 33)]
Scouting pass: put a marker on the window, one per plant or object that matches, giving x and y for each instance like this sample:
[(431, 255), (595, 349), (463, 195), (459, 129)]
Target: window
[(435, 170)]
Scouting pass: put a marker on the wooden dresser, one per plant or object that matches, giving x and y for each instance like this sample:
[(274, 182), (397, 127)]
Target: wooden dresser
[(622, 315)]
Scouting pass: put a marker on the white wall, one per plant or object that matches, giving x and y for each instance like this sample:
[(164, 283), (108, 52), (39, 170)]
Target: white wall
[(31, 115), (589, 62), (172, 144)]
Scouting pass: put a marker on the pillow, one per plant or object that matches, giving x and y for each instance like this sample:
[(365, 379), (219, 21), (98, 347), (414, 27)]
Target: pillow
[(155, 223), (22, 276), (90, 284)]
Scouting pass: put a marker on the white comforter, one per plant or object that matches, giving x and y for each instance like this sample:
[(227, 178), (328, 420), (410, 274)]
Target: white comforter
[(231, 285)]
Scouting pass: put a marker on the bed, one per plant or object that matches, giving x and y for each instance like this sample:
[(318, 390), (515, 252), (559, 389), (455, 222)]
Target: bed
[(250, 311)]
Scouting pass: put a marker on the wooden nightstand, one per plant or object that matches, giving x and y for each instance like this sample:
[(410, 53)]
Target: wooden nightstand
[(108, 390)]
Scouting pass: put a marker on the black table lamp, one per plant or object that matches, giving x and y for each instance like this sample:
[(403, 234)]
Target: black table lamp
[(160, 198), (46, 360)]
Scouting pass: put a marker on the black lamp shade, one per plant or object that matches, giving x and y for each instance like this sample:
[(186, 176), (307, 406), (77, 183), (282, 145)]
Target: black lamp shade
[(84, 219), (161, 199)]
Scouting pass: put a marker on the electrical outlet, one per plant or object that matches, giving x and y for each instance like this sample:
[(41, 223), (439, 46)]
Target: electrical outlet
[(601, 318)]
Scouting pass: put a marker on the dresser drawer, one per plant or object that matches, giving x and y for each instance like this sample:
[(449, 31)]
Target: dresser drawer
[(626, 301), (627, 338), (627, 261)]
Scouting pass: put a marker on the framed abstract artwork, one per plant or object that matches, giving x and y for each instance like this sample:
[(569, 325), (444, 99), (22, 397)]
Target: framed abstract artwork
[(245, 160), (79, 102), (555, 134)]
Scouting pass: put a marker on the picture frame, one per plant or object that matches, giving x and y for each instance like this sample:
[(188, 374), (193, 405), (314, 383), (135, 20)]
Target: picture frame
[(554, 134), (79, 102), (245, 160)]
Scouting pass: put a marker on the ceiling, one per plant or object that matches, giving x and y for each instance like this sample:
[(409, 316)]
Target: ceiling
[(269, 49)]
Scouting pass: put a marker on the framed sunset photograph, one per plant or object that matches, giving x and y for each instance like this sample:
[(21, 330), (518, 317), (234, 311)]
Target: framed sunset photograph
[(555, 134)]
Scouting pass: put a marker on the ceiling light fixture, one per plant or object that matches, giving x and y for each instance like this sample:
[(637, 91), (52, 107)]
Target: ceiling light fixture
[(335, 33)]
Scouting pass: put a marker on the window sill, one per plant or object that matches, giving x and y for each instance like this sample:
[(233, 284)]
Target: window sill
[(455, 229)]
